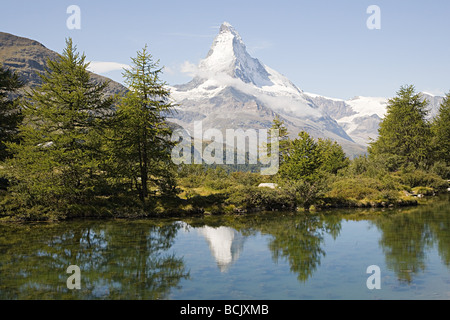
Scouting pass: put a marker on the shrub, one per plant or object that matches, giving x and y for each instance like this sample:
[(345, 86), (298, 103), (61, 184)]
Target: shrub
[(303, 192), (373, 167), (245, 178), (357, 188), (421, 178), (365, 191), (426, 191), (217, 184), (441, 169), (262, 198)]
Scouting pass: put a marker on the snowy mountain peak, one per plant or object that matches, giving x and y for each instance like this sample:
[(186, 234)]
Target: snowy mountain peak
[(228, 55), (227, 27), (231, 89)]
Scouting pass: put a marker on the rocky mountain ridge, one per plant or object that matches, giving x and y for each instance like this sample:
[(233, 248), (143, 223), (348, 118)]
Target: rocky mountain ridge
[(29, 57)]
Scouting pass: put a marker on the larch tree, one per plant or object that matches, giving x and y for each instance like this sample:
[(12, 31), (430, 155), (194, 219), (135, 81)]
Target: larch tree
[(441, 132), (333, 157), (283, 138), (10, 112), (57, 162), (404, 133), (302, 160), (140, 141), (300, 171)]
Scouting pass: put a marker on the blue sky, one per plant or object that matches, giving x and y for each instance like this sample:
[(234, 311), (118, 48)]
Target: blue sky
[(323, 47)]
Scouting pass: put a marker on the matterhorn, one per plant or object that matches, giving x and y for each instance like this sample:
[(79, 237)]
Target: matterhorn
[(232, 90)]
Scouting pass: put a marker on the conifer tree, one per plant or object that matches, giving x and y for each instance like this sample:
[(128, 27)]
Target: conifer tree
[(283, 138), (57, 162), (141, 145), (10, 113), (404, 133), (441, 132), (303, 159), (333, 157)]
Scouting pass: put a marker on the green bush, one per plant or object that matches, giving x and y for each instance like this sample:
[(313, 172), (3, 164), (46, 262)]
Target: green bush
[(424, 179), (357, 188), (373, 167), (386, 195), (217, 184), (245, 178), (262, 198), (441, 169), (426, 191), (306, 193)]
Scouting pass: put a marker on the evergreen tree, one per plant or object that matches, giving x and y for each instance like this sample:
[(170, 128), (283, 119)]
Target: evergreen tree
[(303, 159), (404, 133), (332, 156), (57, 162), (283, 138), (307, 166), (140, 144), (10, 113), (441, 132)]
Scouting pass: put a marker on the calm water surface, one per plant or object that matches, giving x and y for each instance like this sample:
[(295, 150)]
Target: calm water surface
[(263, 256)]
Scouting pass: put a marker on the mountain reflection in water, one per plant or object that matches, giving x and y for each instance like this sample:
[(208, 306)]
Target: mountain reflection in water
[(225, 244), (272, 255)]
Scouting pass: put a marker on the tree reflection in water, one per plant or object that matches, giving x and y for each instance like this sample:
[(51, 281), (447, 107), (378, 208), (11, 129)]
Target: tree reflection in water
[(407, 235), (135, 259), (118, 260), (296, 238), (300, 242)]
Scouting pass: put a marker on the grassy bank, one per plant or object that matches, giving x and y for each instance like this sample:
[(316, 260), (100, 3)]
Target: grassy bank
[(214, 192)]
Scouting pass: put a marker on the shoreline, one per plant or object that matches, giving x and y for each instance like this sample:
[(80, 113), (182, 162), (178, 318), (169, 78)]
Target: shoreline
[(132, 213)]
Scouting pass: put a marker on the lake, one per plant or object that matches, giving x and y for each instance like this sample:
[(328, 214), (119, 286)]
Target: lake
[(271, 255)]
